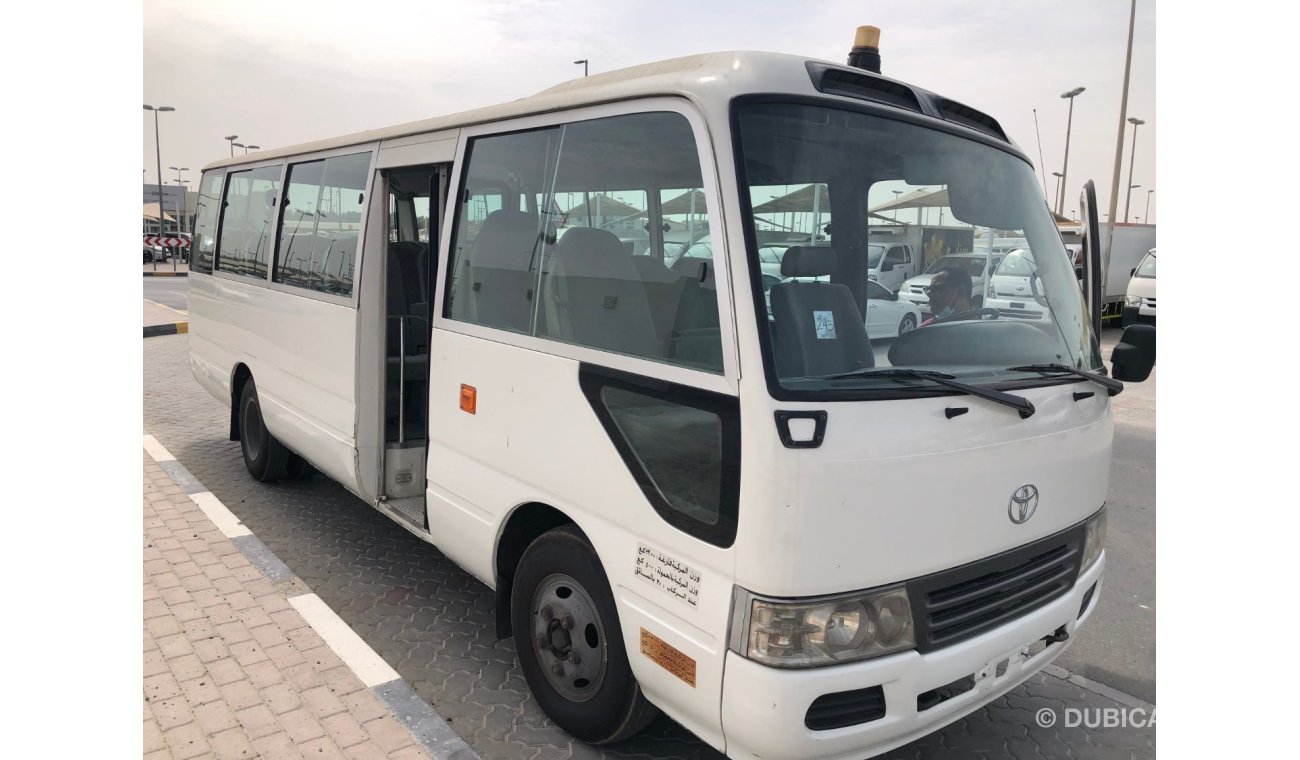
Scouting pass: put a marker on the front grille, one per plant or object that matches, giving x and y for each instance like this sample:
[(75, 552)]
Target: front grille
[(846, 708), (957, 604)]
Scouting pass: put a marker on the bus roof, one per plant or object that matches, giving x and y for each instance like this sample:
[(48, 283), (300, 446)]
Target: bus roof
[(703, 78)]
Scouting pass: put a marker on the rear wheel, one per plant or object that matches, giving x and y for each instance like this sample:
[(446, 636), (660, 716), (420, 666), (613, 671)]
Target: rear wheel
[(266, 458), (569, 642)]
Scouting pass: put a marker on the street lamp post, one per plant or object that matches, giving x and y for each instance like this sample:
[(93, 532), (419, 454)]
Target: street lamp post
[(251, 147), (1065, 167), (1132, 154), (583, 61), (1147, 213), (158, 159), (896, 194), (232, 139), (1057, 193), (180, 205)]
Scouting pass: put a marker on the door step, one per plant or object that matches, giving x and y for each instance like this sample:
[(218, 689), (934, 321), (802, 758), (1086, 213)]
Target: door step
[(410, 509)]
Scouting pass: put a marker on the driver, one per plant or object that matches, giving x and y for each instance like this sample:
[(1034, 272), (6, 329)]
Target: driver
[(949, 293)]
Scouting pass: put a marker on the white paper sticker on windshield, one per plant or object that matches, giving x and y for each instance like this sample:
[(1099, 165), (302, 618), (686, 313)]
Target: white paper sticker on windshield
[(824, 321), (668, 574)]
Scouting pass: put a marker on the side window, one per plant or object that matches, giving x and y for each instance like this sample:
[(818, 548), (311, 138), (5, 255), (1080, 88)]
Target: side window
[(247, 220), (681, 445), (204, 239), (321, 223), (571, 274)]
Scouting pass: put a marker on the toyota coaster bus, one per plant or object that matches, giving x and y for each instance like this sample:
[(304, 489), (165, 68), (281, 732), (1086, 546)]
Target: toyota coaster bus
[(694, 488)]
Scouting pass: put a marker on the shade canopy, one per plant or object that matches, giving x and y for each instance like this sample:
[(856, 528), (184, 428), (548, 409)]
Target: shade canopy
[(682, 204), (151, 212), (916, 199), (603, 206)]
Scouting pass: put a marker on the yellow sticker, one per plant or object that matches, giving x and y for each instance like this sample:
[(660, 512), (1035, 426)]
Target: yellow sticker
[(670, 658)]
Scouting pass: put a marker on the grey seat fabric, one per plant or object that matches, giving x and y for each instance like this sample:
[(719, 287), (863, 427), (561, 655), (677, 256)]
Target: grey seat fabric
[(500, 272), (595, 296), (697, 336), (817, 328), (663, 291)]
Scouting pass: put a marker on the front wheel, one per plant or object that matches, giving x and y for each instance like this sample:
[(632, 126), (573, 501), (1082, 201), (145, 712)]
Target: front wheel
[(569, 642), (907, 325)]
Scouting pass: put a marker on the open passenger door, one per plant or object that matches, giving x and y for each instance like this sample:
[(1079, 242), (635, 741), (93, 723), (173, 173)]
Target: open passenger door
[(1135, 355)]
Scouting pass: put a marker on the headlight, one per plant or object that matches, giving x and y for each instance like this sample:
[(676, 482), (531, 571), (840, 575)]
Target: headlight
[(822, 632), (1133, 300), (1094, 540)]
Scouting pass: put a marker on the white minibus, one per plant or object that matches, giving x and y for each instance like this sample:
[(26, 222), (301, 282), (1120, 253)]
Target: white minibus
[(796, 540)]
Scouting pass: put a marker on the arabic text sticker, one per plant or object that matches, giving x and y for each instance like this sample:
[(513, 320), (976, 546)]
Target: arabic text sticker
[(668, 574), (824, 321)]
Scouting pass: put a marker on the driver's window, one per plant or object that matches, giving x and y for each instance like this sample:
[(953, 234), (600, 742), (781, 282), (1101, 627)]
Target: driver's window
[(877, 292)]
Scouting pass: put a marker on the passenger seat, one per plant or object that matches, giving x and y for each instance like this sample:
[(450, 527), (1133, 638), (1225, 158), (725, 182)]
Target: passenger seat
[(595, 297)]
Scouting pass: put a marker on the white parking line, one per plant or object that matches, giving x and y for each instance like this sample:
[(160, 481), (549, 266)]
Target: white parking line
[(364, 661), (156, 450), (223, 518)]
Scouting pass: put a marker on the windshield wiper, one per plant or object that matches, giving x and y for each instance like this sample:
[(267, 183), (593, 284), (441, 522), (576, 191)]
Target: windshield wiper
[(1020, 404), (1113, 387)]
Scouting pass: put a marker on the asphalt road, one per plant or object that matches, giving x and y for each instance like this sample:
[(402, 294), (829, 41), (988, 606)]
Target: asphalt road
[(173, 292)]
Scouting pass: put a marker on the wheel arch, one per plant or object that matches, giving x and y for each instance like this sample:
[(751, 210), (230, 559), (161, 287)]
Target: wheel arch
[(523, 525)]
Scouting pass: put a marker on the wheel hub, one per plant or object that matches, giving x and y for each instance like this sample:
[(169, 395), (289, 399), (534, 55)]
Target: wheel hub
[(568, 637)]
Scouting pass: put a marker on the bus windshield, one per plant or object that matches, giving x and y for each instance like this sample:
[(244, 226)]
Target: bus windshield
[(957, 200)]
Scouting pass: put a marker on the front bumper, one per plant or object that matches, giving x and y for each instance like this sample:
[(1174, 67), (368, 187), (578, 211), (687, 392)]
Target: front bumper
[(764, 708)]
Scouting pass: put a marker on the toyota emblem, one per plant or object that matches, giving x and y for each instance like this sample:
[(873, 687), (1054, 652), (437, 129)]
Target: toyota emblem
[(1023, 503)]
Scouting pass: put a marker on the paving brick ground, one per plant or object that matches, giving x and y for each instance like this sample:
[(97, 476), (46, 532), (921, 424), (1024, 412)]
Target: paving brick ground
[(433, 623), (231, 670)]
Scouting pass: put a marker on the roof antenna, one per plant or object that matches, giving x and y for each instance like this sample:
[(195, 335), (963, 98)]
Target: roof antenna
[(866, 49)]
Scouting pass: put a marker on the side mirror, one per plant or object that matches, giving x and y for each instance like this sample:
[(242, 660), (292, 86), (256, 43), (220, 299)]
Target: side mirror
[(893, 296), (1135, 354), (1132, 271)]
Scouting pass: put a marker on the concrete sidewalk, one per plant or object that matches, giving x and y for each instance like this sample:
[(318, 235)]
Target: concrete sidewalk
[(236, 658)]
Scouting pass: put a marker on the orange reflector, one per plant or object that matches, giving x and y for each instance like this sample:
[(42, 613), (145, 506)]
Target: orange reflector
[(468, 398)]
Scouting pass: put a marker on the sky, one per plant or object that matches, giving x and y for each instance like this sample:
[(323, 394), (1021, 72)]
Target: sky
[(291, 71)]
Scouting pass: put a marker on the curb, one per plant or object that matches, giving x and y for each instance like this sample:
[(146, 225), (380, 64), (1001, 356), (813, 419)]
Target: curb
[(427, 727), (166, 274), (175, 328)]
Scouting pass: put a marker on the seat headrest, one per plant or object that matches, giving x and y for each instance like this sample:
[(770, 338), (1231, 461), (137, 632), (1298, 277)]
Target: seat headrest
[(590, 241), (807, 261), (506, 240)]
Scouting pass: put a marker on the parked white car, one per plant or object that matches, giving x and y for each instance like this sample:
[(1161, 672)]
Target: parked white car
[(1140, 298), (888, 315), (978, 264), (1014, 289)]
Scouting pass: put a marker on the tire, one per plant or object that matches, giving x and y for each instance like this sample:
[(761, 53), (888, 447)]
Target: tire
[(266, 458), (907, 325), (595, 697)]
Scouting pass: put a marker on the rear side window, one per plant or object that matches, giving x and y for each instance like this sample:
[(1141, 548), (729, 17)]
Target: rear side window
[(247, 221), (321, 224), (204, 239)]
